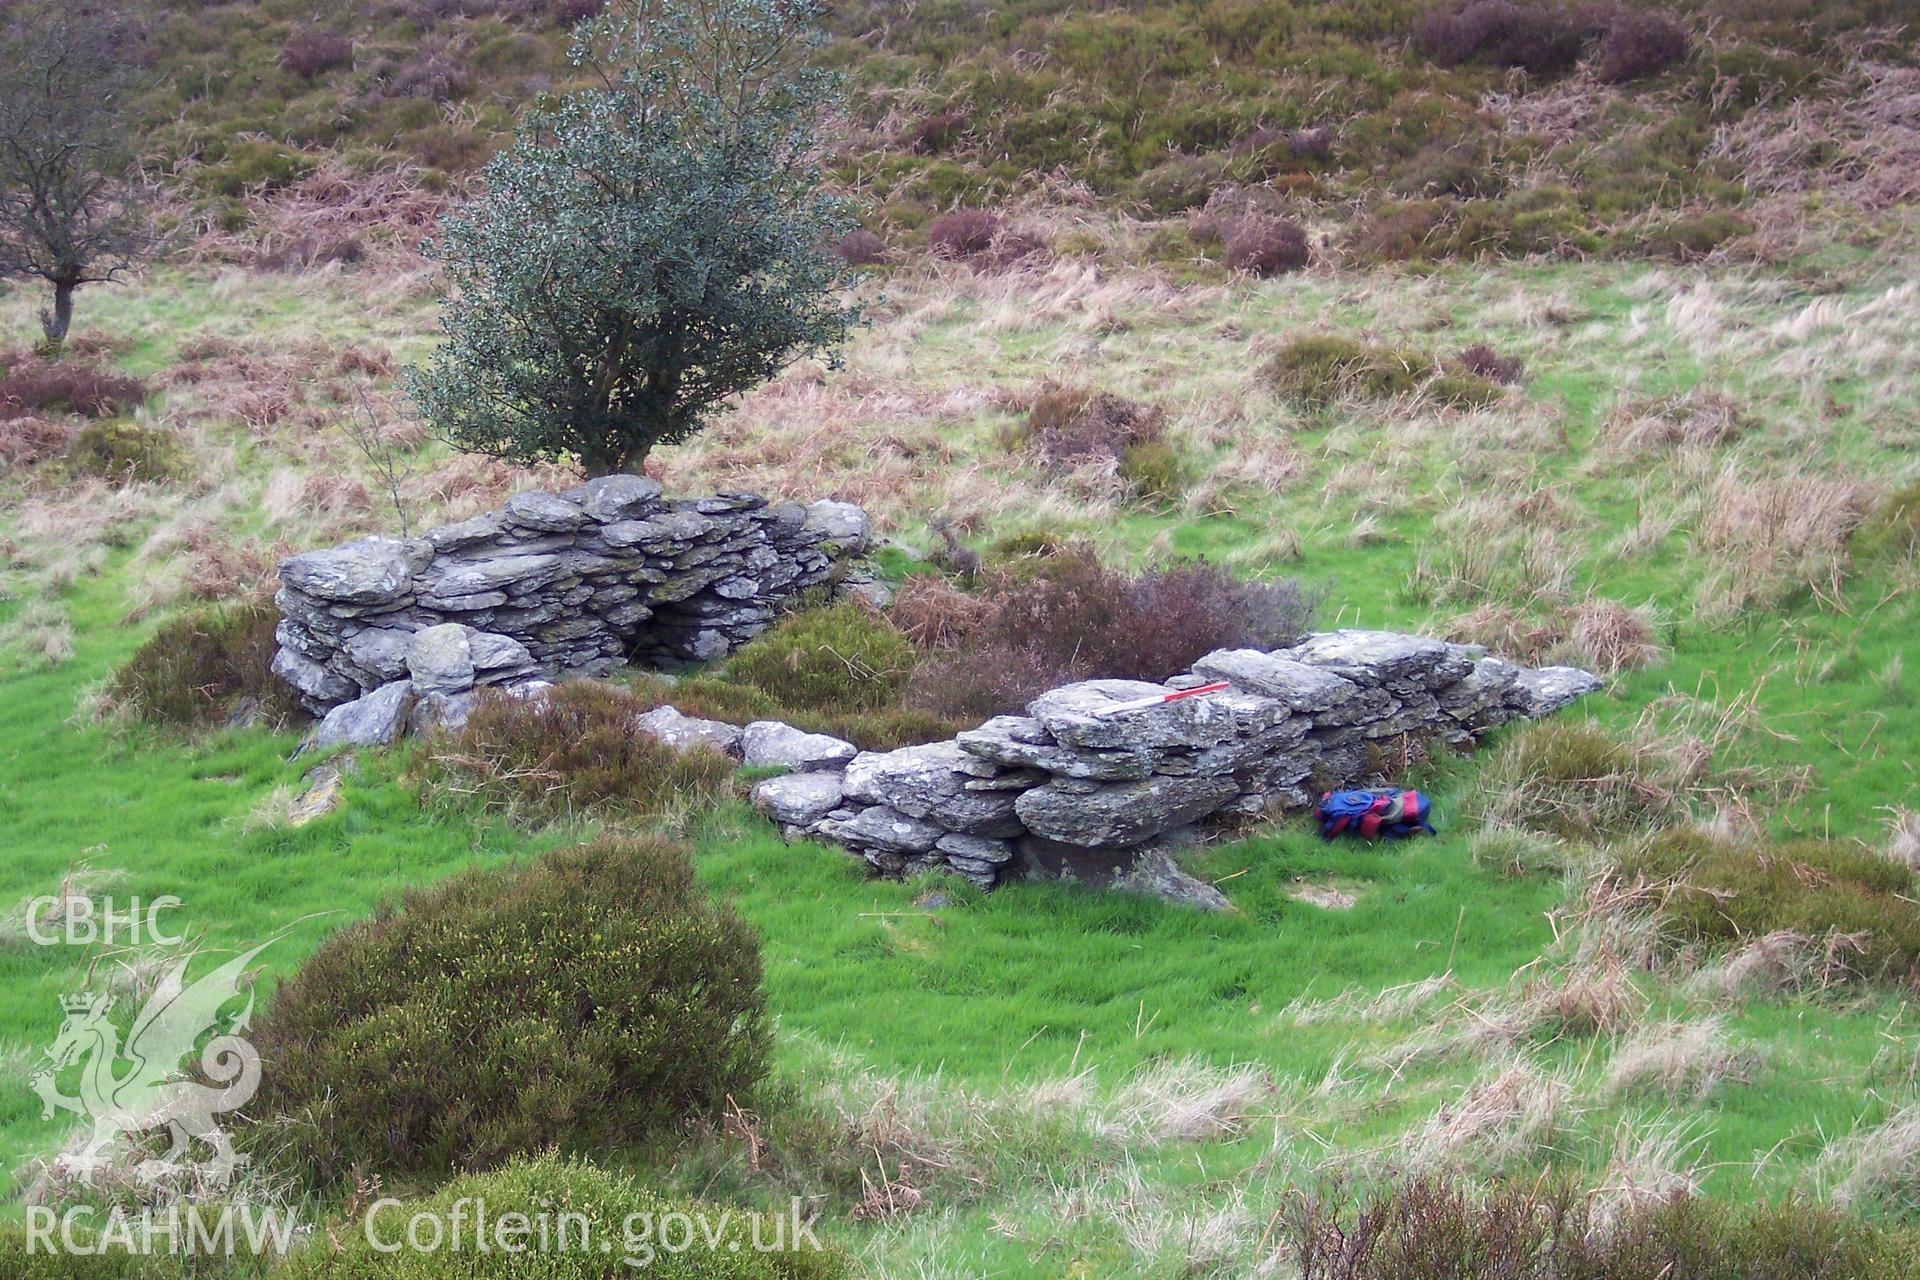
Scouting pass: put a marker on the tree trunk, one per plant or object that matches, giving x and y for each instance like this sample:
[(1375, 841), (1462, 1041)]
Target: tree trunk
[(56, 322), (628, 464)]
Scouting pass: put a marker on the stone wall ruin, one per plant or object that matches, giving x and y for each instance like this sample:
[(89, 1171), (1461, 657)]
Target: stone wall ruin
[(1069, 789), (579, 581)]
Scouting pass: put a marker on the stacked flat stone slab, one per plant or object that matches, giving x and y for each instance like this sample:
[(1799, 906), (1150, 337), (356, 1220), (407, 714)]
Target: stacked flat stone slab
[(555, 582), (1072, 788)]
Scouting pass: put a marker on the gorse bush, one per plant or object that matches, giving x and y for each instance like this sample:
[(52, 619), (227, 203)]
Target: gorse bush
[(207, 666), (571, 750), (1891, 529), (840, 669), (603, 1208), (123, 452), (1483, 361), (1640, 44), (1071, 426), (1543, 40), (1727, 892), (841, 657), (592, 999), (937, 132), (30, 441), (965, 233), (311, 52), (1153, 470), (860, 248), (1320, 370)]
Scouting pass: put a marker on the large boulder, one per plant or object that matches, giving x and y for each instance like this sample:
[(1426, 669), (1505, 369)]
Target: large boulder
[(318, 687), (683, 732), (1082, 715), (883, 828), (368, 572), (1386, 658), (1541, 691), (930, 782), (842, 527), (440, 659), (544, 512), (369, 721), (1302, 687), (771, 742), (1116, 815), (613, 498), (1021, 742), (798, 799)]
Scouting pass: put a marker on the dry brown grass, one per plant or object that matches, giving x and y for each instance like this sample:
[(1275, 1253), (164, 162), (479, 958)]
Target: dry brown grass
[(1504, 1118), (1610, 637), (1695, 420), (1781, 963), (1862, 147), (1903, 836), (1677, 1059), (1877, 1166), (1765, 537)]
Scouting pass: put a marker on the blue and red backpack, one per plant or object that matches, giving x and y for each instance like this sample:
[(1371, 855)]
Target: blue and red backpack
[(1371, 814)]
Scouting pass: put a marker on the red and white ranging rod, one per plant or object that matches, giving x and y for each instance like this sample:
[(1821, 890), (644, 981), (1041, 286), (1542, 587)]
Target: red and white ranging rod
[(1141, 704)]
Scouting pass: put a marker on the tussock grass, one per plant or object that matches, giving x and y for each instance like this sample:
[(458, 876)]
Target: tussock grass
[(1677, 1058), (1575, 780), (1504, 1119), (1878, 1165)]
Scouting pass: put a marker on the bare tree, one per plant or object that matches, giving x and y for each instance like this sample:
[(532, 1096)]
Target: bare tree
[(71, 210)]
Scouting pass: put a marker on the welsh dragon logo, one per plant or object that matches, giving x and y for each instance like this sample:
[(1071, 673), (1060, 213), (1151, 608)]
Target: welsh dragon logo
[(138, 1086)]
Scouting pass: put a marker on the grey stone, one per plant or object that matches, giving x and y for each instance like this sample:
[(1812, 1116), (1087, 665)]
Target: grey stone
[(663, 529), (467, 533), (1380, 657), (1073, 715), (497, 573), (884, 828), (1302, 687), (370, 571), (930, 782), (798, 799), (613, 498), (1155, 872), (1008, 741), (494, 652), (441, 659), (868, 591), (684, 732), (548, 512), (982, 849), (1545, 690), (441, 713), (381, 650), (316, 685), (1123, 813), (840, 525), (372, 720), (771, 742)]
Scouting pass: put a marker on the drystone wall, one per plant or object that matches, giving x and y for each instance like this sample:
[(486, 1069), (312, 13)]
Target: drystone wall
[(554, 583), (1071, 789)]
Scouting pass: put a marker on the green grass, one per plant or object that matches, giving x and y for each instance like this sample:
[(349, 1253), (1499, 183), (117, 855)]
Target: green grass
[(167, 818), (991, 994)]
